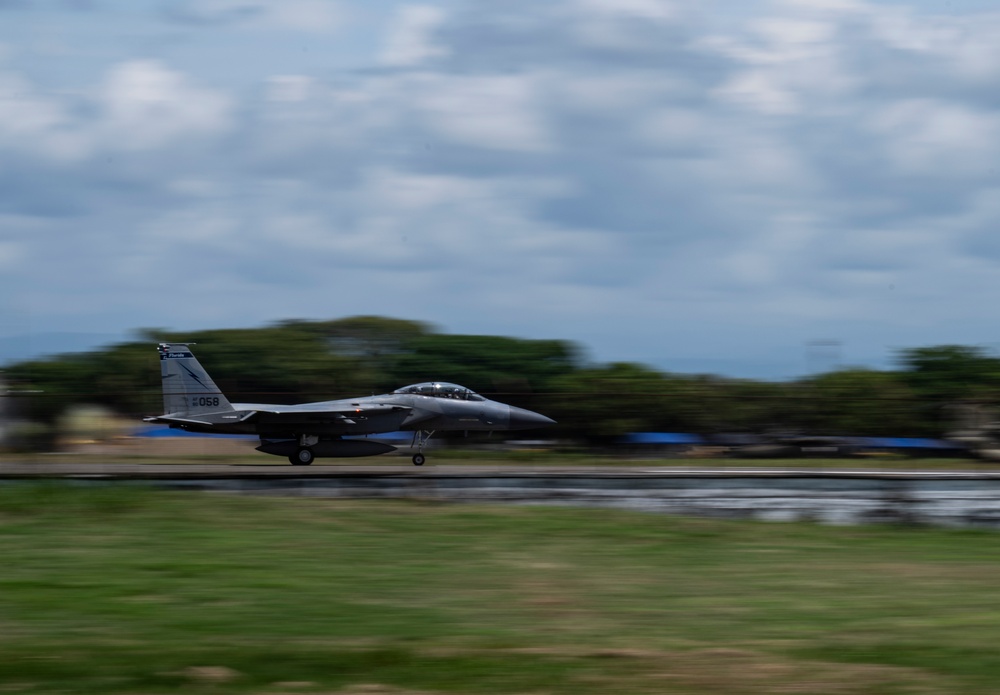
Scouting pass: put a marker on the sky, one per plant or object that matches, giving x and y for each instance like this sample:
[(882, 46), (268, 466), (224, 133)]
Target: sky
[(760, 189)]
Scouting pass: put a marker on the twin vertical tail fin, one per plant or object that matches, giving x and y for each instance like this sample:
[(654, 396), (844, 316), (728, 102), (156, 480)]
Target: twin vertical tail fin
[(187, 387)]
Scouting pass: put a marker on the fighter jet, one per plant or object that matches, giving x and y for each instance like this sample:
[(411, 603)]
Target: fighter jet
[(192, 402)]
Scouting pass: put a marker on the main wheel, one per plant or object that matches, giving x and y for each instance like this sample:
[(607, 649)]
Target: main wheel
[(418, 459), (302, 457)]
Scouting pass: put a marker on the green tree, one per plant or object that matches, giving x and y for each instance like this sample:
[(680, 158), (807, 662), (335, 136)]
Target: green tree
[(722, 405), (859, 402), (602, 404), (944, 376), (514, 369), (374, 342), (951, 372)]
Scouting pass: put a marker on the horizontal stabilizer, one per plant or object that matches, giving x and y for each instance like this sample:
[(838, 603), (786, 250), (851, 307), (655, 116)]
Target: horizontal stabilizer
[(177, 421)]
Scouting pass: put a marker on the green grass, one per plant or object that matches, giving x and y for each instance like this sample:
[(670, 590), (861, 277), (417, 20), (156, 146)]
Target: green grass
[(132, 590)]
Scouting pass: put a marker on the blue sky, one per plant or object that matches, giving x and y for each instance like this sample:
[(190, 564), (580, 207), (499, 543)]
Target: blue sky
[(697, 186)]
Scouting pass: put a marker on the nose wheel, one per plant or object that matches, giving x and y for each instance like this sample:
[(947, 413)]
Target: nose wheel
[(420, 438)]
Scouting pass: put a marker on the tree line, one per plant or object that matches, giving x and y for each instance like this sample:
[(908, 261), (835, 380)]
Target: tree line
[(296, 361)]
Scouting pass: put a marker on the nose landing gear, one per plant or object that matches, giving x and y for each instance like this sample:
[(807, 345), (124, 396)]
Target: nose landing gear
[(420, 438)]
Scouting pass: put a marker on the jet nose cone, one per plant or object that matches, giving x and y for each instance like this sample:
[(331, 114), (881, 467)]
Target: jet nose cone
[(521, 419)]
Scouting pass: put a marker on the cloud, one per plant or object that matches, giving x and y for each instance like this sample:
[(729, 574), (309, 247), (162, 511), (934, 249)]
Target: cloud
[(213, 11), (618, 26), (641, 172), (410, 38), (146, 105), (140, 105), (492, 112), (927, 136), (23, 113), (289, 88), (10, 254), (304, 15), (309, 16)]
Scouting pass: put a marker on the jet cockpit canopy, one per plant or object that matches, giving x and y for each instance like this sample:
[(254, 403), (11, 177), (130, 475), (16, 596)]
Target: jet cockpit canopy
[(441, 389)]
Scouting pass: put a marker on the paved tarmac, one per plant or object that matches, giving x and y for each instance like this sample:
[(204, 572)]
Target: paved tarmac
[(194, 471), (956, 498)]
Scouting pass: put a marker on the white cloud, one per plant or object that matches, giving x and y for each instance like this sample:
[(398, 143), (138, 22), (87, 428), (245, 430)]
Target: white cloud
[(656, 10), (410, 37), (22, 113), (618, 25), (11, 253), (289, 88), (141, 105), (791, 63), (148, 105), (310, 16), (616, 91), (436, 220), (491, 112), (197, 188), (798, 34), (976, 52), (928, 137), (761, 91), (33, 122), (900, 29), (674, 129), (303, 15)]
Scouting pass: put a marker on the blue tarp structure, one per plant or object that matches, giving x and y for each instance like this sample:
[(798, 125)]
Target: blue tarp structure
[(904, 443), (662, 438), (682, 438)]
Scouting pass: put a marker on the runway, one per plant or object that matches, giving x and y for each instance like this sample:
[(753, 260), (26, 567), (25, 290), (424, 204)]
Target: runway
[(957, 498), (138, 471)]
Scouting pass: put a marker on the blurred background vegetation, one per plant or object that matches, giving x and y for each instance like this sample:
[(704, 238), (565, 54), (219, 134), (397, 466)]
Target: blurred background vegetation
[(298, 360)]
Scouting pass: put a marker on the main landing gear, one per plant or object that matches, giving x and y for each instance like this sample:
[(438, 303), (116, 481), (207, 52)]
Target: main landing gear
[(420, 438), (304, 455)]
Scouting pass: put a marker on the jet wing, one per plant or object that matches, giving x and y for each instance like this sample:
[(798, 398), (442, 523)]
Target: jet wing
[(287, 420), (207, 421), (355, 419)]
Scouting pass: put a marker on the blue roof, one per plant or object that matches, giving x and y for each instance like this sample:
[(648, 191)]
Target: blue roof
[(905, 443), (662, 438), (666, 438)]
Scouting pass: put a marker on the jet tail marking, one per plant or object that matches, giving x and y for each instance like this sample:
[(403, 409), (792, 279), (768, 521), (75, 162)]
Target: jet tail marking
[(187, 387)]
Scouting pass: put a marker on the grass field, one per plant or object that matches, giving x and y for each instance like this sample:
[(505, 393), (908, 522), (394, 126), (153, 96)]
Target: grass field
[(133, 590)]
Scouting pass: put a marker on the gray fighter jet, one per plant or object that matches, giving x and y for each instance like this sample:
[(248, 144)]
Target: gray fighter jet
[(192, 402)]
